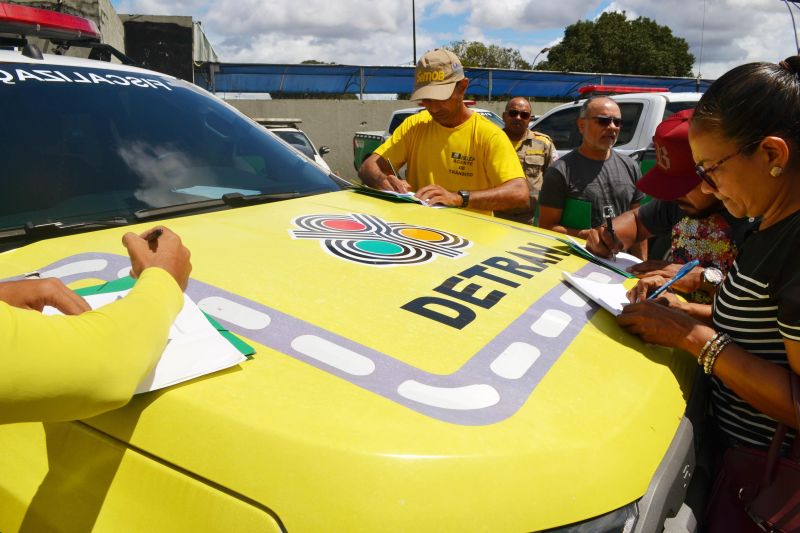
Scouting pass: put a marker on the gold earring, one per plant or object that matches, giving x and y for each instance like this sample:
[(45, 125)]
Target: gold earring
[(775, 171)]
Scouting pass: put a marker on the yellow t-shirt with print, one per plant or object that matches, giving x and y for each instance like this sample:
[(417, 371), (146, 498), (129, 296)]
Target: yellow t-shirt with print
[(475, 155)]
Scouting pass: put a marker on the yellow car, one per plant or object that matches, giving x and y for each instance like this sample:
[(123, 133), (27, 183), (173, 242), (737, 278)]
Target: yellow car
[(415, 369)]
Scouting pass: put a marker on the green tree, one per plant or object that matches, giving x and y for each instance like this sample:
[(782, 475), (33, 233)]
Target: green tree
[(617, 45), (477, 54)]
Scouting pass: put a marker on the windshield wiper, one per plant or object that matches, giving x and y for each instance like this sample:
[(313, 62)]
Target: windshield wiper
[(156, 212), (29, 230), (233, 199), (237, 199)]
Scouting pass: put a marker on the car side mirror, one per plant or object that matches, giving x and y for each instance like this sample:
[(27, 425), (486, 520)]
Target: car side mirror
[(324, 150)]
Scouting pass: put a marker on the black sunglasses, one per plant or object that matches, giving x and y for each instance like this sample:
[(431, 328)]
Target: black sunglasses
[(703, 172), (607, 121), (514, 113)]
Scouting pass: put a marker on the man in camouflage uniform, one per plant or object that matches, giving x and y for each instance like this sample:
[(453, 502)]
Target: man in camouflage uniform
[(535, 150)]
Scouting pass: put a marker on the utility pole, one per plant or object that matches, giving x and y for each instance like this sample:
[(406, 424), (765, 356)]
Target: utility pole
[(414, 29)]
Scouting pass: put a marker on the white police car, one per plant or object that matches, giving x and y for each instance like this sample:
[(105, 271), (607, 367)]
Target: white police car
[(416, 369)]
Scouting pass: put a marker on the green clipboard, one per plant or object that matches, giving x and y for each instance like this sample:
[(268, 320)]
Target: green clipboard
[(576, 214), (123, 284)]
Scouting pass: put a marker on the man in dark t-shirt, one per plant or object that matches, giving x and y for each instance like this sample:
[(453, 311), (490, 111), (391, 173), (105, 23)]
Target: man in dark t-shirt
[(698, 223), (581, 185)]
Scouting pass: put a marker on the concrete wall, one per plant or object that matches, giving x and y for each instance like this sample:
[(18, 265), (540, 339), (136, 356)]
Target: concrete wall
[(332, 123)]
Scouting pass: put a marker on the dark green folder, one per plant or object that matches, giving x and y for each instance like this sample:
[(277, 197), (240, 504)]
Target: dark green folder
[(577, 214), (123, 284)]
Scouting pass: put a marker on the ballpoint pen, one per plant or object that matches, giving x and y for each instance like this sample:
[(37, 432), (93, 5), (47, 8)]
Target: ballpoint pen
[(413, 195), (685, 269), (394, 172), (608, 214), (154, 235)]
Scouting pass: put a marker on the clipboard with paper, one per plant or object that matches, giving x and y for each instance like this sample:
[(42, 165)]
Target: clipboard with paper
[(197, 345)]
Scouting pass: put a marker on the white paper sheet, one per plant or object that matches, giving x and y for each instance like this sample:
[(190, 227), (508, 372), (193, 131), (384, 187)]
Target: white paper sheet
[(609, 296), (194, 347), (622, 260)]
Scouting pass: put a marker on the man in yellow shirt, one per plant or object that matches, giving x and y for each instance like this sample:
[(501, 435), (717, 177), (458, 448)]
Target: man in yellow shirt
[(454, 157), (56, 368)]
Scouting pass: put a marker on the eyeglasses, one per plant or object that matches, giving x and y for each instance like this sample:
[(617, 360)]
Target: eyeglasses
[(703, 172), (514, 113), (607, 121)]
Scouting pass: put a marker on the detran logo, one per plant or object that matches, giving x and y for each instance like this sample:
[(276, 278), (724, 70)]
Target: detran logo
[(370, 240)]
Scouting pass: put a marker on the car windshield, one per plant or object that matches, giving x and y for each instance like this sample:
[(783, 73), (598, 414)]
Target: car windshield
[(83, 144), (398, 119), (494, 117), (297, 139)]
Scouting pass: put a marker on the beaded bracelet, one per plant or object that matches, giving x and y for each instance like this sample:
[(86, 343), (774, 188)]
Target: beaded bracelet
[(701, 358), (716, 348)]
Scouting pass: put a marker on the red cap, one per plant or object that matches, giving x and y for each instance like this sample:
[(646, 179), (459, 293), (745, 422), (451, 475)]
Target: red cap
[(673, 175)]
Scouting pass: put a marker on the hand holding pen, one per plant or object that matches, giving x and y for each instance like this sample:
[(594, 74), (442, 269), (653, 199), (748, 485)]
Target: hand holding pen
[(393, 182), (608, 215), (162, 248), (684, 270)]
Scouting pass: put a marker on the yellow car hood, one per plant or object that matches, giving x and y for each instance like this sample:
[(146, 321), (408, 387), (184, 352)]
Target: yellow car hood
[(415, 369)]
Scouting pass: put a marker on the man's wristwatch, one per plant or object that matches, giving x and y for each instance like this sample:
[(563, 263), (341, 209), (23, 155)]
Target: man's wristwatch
[(712, 278), (464, 198)]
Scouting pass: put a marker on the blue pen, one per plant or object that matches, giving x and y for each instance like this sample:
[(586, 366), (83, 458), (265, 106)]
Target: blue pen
[(685, 269)]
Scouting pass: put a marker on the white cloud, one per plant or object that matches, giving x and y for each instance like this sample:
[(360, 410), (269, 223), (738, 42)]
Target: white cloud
[(529, 14), (733, 32)]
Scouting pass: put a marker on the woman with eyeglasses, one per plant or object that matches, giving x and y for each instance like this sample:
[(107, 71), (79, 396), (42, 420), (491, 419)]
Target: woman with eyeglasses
[(745, 139)]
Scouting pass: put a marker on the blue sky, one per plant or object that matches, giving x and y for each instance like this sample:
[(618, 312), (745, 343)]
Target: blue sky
[(721, 33)]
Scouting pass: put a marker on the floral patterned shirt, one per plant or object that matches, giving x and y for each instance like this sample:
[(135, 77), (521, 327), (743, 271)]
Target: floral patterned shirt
[(707, 239)]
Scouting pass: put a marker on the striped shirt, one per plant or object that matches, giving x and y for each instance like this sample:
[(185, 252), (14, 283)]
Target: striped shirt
[(758, 305)]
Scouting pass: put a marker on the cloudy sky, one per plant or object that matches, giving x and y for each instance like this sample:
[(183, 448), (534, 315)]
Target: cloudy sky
[(721, 33)]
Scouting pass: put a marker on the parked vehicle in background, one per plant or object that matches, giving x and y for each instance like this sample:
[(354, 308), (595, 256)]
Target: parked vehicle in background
[(641, 113), (365, 142), (288, 130)]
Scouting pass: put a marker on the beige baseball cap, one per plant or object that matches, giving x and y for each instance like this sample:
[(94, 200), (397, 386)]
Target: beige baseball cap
[(436, 75)]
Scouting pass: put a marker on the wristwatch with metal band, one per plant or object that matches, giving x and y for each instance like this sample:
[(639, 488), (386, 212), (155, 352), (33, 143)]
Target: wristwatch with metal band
[(464, 198), (712, 278)]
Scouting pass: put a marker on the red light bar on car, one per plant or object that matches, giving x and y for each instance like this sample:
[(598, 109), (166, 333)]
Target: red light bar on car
[(619, 89), (24, 20)]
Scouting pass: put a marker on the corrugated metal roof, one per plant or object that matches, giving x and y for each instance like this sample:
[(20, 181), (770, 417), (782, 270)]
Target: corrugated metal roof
[(349, 79)]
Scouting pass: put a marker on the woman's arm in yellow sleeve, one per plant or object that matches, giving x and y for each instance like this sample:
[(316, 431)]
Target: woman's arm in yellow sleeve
[(71, 367)]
